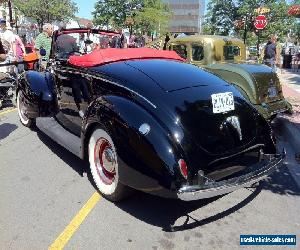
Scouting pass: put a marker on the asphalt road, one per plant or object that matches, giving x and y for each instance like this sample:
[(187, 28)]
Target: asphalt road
[(43, 188)]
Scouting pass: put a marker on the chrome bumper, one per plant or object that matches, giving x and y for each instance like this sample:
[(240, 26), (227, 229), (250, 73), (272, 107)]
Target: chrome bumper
[(211, 189)]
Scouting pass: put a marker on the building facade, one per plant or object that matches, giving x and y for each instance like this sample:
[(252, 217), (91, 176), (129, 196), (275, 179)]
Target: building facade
[(187, 15)]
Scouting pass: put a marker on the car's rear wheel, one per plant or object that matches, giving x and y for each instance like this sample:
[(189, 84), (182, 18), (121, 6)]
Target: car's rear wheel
[(28, 122), (104, 166)]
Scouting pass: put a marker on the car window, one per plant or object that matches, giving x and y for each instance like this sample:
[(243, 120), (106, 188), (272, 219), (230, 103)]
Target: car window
[(79, 43), (180, 50), (230, 51), (197, 52)]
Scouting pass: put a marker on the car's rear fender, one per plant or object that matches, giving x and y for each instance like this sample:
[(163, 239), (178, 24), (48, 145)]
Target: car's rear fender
[(39, 94), (148, 161), (242, 80)]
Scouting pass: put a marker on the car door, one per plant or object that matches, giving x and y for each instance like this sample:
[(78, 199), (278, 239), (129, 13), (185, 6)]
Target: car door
[(74, 95)]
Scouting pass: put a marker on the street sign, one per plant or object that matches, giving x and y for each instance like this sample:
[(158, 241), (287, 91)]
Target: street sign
[(260, 22), (294, 10), (262, 10)]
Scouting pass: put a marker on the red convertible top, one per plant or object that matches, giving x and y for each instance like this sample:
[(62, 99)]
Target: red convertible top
[(104, 56)]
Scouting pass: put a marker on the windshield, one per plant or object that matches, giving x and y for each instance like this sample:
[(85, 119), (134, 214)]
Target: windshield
[(80, 43)]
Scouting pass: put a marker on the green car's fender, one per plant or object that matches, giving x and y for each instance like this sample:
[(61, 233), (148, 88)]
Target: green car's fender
[(239, 78)]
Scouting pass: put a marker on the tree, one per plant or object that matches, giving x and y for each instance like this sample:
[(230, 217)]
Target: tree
[(278, 20), (114, 12), (154, 16), (220, 16), (221, 19), (146, 15), (43, 11)]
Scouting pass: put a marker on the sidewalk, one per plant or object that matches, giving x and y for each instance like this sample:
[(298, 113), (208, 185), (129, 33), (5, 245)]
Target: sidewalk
[(290, 81)]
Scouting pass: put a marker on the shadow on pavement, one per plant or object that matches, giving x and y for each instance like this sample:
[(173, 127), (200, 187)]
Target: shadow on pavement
[(6, 129), (165, 212), (281, 182), (70, 159)]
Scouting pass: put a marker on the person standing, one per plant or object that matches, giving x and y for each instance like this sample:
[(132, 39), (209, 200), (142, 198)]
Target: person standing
[(270, 52), (2, 59), (19, 52), (279, 56), (296, 56), (8, 44), (44, 40)]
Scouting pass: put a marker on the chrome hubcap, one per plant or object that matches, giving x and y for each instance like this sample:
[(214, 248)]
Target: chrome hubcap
[(105, 161), (108, 160)]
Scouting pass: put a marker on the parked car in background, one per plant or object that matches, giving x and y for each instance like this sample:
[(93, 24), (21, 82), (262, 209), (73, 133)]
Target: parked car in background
[(145, 120), (226, 57), (252, 52)]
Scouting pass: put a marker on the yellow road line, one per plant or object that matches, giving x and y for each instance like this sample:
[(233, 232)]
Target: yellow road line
[(66, 235), (7, 111)]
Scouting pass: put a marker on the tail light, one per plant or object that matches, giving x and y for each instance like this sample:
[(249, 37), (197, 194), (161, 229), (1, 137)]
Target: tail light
[(183, 168)]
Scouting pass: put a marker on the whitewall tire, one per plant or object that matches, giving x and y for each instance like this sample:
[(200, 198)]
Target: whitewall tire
[(104, 166), (28, 122)]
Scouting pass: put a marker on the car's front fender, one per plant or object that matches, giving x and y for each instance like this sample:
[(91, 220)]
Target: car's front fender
[(38, 90)]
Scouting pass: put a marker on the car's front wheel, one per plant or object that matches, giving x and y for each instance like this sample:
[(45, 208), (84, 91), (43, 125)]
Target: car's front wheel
[(28, 122), (104, 166)]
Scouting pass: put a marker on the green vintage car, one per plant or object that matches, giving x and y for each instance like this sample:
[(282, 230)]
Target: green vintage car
[(226, 57)]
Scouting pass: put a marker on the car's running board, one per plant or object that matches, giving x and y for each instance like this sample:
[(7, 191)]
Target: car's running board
[(56, 132)]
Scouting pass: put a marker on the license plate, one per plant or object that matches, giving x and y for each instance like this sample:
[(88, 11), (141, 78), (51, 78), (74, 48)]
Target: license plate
[(222, 102), (272, 91)]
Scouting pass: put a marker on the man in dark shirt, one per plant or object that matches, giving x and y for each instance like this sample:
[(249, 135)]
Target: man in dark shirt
[(270, 52)]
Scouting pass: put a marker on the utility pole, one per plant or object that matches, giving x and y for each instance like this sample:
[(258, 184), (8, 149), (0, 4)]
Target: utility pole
[(245, 29), (10, 13)]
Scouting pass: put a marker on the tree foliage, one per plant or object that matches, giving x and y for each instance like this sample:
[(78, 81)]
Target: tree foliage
[(114, 12), (146, 15), (153, 16), (43, 11), (221, 18)]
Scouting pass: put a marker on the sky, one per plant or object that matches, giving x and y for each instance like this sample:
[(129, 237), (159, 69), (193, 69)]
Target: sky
[(85, 8)]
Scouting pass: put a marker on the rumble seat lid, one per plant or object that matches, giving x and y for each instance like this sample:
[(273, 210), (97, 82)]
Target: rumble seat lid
[(105, 56)]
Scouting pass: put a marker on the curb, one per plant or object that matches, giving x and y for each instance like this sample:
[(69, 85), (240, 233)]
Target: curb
[(291, 133)]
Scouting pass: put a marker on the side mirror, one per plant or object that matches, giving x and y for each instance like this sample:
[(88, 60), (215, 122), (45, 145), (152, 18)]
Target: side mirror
[(43, 52)]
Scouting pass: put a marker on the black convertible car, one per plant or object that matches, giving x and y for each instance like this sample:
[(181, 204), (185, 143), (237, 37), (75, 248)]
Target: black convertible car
[(146, 120)]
